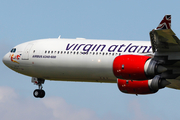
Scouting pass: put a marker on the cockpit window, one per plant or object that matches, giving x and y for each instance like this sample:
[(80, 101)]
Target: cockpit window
[(13, 50)]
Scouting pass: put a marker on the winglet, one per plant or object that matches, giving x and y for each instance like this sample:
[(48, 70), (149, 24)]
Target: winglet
[(165, 23)]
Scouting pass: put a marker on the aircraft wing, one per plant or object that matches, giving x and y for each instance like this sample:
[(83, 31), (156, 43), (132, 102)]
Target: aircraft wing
[(164, 41), (166, 46)]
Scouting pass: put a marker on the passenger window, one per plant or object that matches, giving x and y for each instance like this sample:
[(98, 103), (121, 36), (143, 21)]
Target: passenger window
[(33, 51), (48, 52), (61, 52), (58, 52), (51, 51), (45, 51)]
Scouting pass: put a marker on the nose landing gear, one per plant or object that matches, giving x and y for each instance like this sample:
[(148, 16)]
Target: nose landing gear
[(38, 93)]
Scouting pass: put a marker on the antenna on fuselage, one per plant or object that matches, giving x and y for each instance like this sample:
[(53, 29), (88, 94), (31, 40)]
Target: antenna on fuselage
[(59, 37)]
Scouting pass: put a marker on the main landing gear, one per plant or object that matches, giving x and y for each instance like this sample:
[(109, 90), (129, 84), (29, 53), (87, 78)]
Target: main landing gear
[(38, 93)]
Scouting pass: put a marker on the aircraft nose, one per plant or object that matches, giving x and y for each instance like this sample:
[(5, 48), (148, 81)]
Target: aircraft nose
[(6, 59)]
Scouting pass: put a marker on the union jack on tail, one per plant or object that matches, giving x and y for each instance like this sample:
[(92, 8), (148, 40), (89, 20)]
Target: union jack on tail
[(165, 23)]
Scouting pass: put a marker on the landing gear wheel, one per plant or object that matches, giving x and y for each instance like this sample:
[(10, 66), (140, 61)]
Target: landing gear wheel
[(42, 93), (38, 93)]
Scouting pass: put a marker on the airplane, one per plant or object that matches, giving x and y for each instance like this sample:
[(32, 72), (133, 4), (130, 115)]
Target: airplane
[(138, 67)]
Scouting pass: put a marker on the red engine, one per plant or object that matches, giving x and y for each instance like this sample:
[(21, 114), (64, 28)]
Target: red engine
[(130, 67), (142, 87), (134, 87), (136, 67)]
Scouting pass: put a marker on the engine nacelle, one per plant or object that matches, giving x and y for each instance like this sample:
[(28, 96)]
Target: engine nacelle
[(136, 67), (142, 87), (134, 87)]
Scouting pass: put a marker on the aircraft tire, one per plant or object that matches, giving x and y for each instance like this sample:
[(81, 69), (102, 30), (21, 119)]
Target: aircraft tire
[(42, 93), (39, 93), (36, 93)]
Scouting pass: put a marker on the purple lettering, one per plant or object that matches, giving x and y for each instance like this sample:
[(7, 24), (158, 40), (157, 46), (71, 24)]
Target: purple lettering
[(127, 47), (94, 47), (69, 47), (112, 48), (80, 46), (133, 48), (119, 50), (145, 47), (100, 46), (87, 47), (75, 46), (148, 51)]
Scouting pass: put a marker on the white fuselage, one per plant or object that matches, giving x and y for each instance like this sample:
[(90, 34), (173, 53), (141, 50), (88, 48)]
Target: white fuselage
[(72, 59)]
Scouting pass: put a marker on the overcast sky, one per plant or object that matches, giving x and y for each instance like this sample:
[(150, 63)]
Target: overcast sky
[(22, 21)]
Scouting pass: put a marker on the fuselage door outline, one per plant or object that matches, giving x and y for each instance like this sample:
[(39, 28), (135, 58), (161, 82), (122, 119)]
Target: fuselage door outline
[(25, 55)]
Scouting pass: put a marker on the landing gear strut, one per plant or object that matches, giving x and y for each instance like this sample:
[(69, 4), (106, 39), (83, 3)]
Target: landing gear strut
[(38, 93)]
